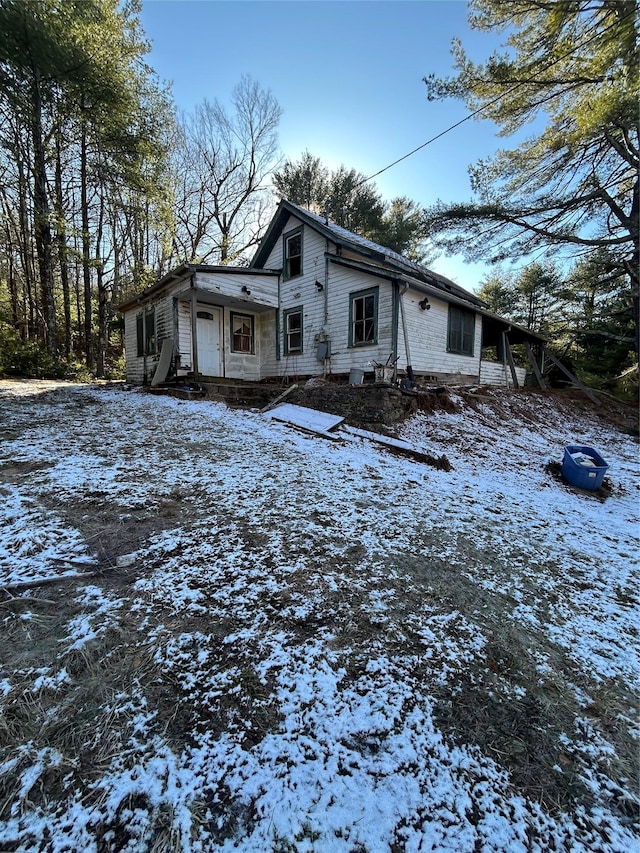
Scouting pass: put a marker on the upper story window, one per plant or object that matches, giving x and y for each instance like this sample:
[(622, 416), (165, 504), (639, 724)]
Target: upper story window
[(242, 333), (293, 253), (293, 331), (146, 332), (462, 327), (363, 317)]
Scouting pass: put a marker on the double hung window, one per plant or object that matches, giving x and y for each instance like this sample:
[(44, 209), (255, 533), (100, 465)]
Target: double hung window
[(242, 333), (363, 317), (293, 331), (146, 332), (293, 254), (462, 326)]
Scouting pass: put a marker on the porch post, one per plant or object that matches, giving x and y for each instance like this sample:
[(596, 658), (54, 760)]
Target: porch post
[(534, 365), (194, 330), (509, 356)]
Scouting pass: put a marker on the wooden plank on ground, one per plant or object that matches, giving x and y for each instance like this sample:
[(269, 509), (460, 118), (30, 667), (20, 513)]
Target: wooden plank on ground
[(162, 370), (311, 420), (51, 579), (396, 445)]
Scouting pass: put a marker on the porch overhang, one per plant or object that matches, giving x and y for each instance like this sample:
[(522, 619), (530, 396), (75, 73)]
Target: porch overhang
[(494, 326), (204, 296)]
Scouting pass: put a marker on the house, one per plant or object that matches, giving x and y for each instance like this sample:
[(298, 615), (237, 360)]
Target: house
[(318, 300)]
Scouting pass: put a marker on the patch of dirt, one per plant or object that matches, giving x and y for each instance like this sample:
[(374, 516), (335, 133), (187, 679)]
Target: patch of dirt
[(111, 534), (554, 470), (10, 472)]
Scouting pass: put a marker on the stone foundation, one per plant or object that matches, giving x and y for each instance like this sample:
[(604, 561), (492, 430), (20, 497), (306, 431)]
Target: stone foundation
[(368, 405)]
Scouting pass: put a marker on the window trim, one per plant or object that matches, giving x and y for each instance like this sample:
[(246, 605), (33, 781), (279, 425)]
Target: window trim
[(286, 275), (456, 326), (289, 312), (362, 294), (252, 338), (140, 334), (146, 342)]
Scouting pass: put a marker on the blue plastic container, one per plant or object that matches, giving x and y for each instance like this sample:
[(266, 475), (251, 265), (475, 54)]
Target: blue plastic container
[(584, 476)]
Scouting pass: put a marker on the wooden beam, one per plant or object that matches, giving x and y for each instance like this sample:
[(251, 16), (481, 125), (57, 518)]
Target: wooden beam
[(510, 361), (570, 375), (534, 365), (279, 398), (194, 331)]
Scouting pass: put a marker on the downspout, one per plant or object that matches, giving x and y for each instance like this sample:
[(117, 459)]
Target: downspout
[(481, 346), (194, 326), (405, 333), (326, 283), (394, 322), (278, 355), (326, 361), (144, 341)]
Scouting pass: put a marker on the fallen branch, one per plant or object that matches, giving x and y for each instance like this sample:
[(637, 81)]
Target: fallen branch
[(18, 587)]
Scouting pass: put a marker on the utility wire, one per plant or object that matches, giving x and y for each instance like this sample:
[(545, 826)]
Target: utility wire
[(433, 139), (490, 103)]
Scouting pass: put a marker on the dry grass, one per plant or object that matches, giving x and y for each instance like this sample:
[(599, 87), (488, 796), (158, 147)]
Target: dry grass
[(498, 700)]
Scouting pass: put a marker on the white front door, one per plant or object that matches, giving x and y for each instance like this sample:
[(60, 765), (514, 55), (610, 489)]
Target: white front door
[(208, 332)]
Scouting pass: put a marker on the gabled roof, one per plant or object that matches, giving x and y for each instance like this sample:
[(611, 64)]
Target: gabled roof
[(367, 249)]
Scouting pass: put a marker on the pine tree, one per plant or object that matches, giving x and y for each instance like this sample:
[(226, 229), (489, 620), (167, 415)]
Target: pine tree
[(573, 187)]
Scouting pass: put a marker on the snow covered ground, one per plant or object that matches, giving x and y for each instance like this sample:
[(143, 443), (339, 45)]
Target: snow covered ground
[(296, 644)]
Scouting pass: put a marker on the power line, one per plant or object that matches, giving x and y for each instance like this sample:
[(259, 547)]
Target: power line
[(429, 141), (580, 46)]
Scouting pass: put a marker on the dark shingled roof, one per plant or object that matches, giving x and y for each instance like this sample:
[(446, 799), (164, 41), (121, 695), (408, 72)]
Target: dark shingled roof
[(382, 256)]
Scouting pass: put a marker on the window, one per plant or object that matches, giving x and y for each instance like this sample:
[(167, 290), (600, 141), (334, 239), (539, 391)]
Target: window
[(462, 327), (363, 317), (242, 333), (293, 254), (146, 332), (293, 330)]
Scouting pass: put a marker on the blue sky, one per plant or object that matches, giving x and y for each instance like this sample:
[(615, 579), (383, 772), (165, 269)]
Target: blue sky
[(348, 76)]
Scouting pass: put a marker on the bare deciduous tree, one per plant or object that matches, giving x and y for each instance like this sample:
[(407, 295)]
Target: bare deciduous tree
[(222, 162)]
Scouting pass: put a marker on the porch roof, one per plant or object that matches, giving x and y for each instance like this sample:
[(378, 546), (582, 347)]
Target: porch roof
[(213, 297), (185, 271)]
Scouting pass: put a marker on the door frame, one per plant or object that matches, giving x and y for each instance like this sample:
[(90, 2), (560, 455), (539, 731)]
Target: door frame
[(210, 309)]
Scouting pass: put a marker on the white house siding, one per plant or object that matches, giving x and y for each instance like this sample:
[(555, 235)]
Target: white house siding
[(495, 373), (134, 366), (343, 282), (300, 291), (246, 366), (237, 365), (224, 287), (227, 284), (428, 332), (140, 369), (326, 312), (184, 337)]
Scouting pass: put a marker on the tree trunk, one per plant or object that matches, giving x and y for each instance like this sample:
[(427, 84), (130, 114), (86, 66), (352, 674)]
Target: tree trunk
[(62, 249), (102, 298), (25, 248), (86, 248), (42, 226), (10, 232)]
